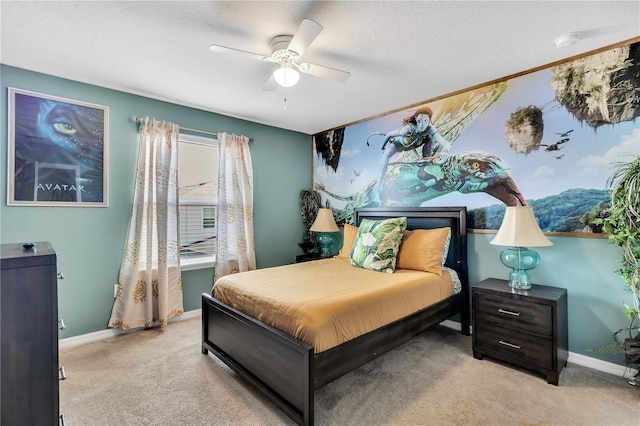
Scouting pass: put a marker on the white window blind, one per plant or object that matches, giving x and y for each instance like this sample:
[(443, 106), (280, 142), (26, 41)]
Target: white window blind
[(197, 228)]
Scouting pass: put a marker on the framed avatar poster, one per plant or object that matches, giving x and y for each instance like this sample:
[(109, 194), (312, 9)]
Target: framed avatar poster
[(58, 151), (546, 138)]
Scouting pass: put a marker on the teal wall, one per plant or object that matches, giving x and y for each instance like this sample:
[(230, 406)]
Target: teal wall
[(89, 241)]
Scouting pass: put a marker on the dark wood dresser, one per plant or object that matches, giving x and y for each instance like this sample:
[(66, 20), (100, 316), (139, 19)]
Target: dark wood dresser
[(29, 371), (527, 328)]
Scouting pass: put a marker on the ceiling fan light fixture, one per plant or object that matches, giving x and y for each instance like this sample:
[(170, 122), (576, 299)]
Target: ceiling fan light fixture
[(286, 76), (286, 51)]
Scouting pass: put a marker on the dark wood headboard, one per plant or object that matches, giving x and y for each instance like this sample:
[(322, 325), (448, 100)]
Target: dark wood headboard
[(429, 218)]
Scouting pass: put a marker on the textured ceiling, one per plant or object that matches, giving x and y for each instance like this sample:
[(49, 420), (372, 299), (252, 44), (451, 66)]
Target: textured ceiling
[(399, 53)]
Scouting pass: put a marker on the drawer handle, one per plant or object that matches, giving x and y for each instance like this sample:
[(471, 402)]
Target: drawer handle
[(511, 345), (63, 376), (515, 314)]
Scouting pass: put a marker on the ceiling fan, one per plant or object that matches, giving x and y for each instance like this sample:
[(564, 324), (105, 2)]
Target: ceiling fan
[(286, 50)]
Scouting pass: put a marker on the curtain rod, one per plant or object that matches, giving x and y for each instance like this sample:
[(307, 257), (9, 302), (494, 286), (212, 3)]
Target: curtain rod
[(205, 132)]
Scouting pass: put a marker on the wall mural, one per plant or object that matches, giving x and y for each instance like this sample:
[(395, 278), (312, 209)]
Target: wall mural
[(547, 139)]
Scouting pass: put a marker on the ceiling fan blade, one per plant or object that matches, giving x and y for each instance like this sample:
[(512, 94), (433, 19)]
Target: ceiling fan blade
[(304, 36), (324, 72), (236, 52), (270, 85)]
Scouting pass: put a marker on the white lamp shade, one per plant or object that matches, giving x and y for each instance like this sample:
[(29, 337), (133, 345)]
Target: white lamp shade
[(324, 222), (286, 76), (520, 229)]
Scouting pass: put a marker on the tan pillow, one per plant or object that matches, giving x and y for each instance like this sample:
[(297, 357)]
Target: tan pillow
[(348, 237), (423, 249)]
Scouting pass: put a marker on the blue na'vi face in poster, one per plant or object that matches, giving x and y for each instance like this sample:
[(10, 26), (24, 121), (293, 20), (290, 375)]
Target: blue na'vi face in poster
[(58, 150)]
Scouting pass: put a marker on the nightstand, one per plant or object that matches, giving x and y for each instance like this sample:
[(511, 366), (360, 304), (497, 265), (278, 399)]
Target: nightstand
[(527, 328)]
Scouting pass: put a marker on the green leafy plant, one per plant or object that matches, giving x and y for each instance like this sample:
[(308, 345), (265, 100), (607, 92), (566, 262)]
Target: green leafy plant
[(622, 225), (310, 202)]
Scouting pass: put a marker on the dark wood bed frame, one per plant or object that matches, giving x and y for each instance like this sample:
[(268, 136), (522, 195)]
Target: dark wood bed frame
[(286, 370)]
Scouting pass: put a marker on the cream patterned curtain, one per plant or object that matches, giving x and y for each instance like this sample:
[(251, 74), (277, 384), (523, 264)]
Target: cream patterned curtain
[(236, 247), (150, 285)]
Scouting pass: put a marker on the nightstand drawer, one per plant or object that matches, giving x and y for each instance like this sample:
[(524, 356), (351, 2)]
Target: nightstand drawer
[(514, 313), (510, 343)]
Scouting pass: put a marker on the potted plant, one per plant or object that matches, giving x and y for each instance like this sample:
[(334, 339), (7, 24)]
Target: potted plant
[(622, 224)]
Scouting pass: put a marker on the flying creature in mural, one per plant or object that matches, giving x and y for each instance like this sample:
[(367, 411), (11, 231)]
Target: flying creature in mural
[(413, 178)]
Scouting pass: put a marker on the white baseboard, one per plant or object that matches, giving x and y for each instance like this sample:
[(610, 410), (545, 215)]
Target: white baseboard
[(604, 366), (585, 361), (70, 342), (455, 325)]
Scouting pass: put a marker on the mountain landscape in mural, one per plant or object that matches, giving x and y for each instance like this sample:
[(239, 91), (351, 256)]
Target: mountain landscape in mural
[(547, 139)]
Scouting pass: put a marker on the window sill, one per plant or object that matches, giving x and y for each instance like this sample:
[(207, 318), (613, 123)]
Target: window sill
[(197, 263)]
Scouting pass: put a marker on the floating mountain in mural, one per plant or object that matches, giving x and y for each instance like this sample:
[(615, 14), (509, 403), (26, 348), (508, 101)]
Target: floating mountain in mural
[(602, 88), (329, 145), (524, 129)]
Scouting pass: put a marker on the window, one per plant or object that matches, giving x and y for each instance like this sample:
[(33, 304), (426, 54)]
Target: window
[(198, 179)]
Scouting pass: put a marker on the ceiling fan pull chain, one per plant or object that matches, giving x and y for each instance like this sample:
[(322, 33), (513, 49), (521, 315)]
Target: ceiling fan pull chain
[(284, 105)]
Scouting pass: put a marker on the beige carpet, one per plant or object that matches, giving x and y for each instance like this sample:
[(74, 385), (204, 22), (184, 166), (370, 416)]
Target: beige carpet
[(160, 377)]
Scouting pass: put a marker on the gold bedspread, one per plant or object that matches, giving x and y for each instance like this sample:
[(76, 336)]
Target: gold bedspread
[(327, 302)]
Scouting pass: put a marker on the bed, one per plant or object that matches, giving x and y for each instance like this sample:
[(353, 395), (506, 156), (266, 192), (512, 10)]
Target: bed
[(288, 369)]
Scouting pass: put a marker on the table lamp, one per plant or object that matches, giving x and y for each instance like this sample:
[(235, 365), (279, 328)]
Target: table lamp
[(324, 225), (520, 230)]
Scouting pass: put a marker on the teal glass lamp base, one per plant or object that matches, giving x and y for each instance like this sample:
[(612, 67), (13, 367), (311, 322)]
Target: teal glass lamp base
[(519, 279), (325, 240), (519, 259)]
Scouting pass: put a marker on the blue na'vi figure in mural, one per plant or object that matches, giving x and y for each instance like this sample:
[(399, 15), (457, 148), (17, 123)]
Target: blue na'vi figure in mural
[(417, 131)]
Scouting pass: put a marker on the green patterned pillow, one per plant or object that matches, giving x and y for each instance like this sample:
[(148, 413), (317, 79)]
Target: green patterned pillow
[(377, 243)]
